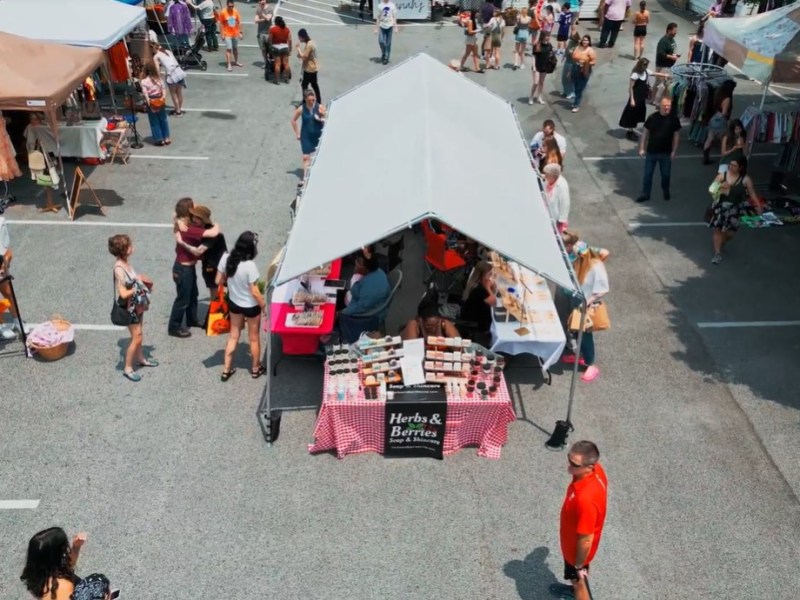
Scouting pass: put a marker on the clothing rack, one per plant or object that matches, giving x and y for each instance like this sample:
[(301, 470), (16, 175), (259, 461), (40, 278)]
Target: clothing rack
[(692, 91), (775, 122)]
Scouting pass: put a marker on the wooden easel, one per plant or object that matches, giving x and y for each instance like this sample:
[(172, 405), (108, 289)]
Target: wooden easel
[(49, 207), (74, 194)]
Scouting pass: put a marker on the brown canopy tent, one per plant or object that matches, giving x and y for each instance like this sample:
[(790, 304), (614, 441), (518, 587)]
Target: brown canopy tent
[(40, 76)]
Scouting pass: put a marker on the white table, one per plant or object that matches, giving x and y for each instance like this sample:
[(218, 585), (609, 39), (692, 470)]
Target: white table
[(79, 141), (546, 338)]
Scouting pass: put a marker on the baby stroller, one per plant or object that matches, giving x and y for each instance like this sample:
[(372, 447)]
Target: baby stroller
[(269, 66), (190, 57)]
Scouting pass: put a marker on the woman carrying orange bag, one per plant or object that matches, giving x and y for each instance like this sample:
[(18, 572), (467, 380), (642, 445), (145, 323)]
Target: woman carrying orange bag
[(593, 278), (153, 90)]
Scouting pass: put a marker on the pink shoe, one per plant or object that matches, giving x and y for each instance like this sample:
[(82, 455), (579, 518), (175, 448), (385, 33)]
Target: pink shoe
[(591, 374), (569, 359)]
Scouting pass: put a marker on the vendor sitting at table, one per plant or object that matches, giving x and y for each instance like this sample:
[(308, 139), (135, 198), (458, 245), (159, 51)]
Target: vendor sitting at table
[(428, 322), (366, 295), (479, 298)]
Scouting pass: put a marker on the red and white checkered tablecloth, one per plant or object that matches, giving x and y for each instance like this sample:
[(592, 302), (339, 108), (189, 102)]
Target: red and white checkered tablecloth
[(355, 426)]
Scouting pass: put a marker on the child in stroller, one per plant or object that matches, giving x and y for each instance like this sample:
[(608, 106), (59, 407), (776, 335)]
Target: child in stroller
[(189, 56)]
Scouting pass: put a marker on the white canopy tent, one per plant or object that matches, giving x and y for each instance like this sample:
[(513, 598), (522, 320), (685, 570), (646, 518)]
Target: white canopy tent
[(93, 23), (421, 141)]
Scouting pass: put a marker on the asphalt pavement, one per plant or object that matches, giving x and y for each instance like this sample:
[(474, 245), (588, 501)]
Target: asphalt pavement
[(182, 498)]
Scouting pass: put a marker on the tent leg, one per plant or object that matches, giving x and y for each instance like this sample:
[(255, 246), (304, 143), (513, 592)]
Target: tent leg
[(558, 439), (764, 95), (270, 426), (110, 85)]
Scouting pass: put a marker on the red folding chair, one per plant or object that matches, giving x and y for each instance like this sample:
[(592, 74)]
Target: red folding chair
[(441, 261)]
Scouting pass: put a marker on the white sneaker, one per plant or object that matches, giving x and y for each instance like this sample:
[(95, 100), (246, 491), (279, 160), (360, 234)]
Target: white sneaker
[(25, 326), (530, 101), (540, 100), (6, 333)]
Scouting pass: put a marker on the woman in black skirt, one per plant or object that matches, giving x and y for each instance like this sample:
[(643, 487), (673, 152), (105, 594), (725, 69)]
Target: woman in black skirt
[(638, 89)]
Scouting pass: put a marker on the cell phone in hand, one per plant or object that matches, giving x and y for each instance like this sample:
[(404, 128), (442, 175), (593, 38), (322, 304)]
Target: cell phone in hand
[(114, 594), (338, 284)]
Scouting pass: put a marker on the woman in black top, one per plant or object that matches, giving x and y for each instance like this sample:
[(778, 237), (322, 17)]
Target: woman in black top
[(49, 572), (544, 62), (735, 192), (479, 297)]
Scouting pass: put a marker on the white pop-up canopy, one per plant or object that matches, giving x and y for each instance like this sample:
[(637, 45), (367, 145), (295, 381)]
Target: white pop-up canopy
[(93, 23), (423, 141)]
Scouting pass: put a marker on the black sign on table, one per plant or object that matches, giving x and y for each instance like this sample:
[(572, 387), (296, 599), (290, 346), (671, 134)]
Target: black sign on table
[(414, 421)]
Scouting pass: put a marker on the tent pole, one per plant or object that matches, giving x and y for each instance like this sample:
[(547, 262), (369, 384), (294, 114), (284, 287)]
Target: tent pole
[(62, 184), (558, 439), (764, 95), (107, 71)]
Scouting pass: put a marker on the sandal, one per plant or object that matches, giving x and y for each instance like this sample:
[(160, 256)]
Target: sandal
[(132, 375), (227, 375), (150, 362), (256, 374), (167, 142)]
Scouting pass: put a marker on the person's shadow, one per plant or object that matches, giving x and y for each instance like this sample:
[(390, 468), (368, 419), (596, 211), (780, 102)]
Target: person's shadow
[(532, 575)]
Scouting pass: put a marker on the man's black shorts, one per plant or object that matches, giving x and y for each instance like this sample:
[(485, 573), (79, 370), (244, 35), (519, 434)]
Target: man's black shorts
[(570, 572)]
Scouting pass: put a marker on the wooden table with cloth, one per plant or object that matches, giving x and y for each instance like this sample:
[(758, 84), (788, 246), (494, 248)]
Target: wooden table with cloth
[(525, 318), (78, 141), (356, 425)]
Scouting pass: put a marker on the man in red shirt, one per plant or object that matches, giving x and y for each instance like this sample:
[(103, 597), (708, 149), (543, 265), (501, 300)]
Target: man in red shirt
[(582, 517)]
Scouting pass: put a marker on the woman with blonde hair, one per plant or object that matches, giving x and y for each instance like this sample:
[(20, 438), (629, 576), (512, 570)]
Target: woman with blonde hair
[(593, 278), (521, 36), (479, 298), (132, 293)]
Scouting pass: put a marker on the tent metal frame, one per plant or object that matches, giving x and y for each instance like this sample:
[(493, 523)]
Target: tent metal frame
[(265, 408)]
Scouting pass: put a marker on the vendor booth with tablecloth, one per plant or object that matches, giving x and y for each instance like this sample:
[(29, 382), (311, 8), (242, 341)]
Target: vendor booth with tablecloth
[(459, 396)]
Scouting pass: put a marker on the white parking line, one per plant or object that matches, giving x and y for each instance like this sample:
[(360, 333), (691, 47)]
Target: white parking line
[(19, 504), (219, 110), (736, 324), (207, 74), (166, 157), (297, 12), (325, 11), (91, 224), (638, 224), (637, 157)]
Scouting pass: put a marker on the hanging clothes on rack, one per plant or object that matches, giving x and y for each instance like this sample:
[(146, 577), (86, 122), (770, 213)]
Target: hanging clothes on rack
[(9, 168), (776, 123), (693, 99)]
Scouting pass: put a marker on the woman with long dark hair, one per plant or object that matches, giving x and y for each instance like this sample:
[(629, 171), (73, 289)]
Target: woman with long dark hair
[(49, 572), (733, 144), (471, 42), (307, 52), (635, 110), (732, 191), (246, 303), (584, 59), (280, 44)]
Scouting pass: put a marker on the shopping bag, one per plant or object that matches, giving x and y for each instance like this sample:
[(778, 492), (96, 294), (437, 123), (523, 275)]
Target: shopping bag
[(575, 320), (599, 317), (218, 321)]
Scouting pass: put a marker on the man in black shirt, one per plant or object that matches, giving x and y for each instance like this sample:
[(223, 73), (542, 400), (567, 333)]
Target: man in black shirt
[(658, 146)]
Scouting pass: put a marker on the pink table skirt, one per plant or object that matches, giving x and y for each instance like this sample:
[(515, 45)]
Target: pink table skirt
[(353, 427)]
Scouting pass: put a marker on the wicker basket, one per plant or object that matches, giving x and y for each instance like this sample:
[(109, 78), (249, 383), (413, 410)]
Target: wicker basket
[(51, 353)]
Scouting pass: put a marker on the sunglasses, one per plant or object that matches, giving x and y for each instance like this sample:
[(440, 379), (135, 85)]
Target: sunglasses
[(574, 465)]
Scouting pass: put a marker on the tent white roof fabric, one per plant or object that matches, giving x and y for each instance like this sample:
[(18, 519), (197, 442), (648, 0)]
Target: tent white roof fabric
[(419, 141), (93, 23)]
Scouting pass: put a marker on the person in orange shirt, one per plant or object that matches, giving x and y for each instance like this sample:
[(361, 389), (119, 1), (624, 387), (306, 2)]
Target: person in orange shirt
[(231, 22), (582, 516)]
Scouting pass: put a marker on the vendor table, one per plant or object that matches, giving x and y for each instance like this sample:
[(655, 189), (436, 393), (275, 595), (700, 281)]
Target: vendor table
[(545, 338), (79, 141), (302, 340), (356, 426)]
